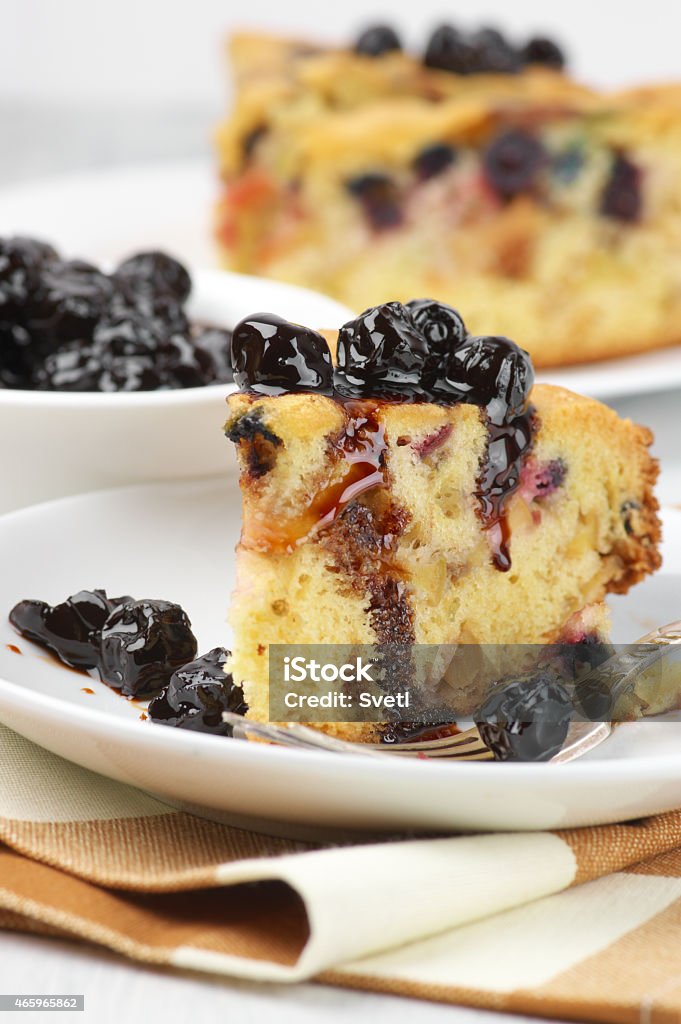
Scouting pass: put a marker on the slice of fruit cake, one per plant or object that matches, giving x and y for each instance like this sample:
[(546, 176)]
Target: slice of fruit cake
[(422, 491)]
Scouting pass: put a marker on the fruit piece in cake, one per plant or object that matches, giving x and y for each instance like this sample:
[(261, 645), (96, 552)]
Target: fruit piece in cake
[(425, 494), (476, 170)]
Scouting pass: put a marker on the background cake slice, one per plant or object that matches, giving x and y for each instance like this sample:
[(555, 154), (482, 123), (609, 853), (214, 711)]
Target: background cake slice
[(466, 173), (372, 515)]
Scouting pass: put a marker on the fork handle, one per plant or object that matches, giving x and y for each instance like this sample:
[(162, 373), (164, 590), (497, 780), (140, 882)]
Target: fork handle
[(618, 675)]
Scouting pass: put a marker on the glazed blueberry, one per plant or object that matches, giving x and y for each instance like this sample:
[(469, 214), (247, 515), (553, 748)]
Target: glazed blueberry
[(21, 263), (128, 353), (380, 199), (492, 372), (512, 162), (433, 160), (73, 367), (270, 356), (162, 311), (130, 336), (127, 333), (122, 356), (197, 695), (621, 198), (128, 373), (17, 356), (382, 352), (526, 720), (28, 251), (377, 40), (217, 342), (541, 50), (449, 50), (72, 629), (74, 295), (183, 364), (157, 271), (75, 266), (142, 644), (494, 53), (441, 325)]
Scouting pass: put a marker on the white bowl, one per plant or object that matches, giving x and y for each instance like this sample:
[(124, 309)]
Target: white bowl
[(58, 443)]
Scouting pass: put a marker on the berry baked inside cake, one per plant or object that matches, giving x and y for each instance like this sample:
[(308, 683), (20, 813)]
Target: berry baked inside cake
[(422, 491), (477, 170)]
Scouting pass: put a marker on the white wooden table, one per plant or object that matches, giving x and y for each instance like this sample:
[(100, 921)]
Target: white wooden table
[(117, 992)]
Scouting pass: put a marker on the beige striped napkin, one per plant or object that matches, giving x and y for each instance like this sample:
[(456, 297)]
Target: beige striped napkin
[(584, 924)]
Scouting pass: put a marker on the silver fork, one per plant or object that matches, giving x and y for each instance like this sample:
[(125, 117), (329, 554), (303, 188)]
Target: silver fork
[(621, 671), (466, 745)]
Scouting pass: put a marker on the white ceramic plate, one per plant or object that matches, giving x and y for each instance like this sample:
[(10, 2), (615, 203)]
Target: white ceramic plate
[(62, 443), (175, 541), (107, 214)]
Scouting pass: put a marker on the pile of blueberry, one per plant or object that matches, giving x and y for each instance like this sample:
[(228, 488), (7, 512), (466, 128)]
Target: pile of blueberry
[(467, 53), (420, 351), (141, 648), (67, 326)]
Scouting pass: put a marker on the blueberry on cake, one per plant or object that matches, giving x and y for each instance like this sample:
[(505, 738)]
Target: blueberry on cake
[(404, 483), (477, 170)]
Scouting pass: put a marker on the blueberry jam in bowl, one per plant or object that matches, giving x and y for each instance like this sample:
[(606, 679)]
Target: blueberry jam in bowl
[(98, 410)]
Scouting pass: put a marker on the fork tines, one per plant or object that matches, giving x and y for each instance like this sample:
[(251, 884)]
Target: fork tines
[(466, 745)]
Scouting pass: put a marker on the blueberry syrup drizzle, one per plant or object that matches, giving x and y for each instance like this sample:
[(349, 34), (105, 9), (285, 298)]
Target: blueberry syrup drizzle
[(419, 352), (360, 448), (507, 446)]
